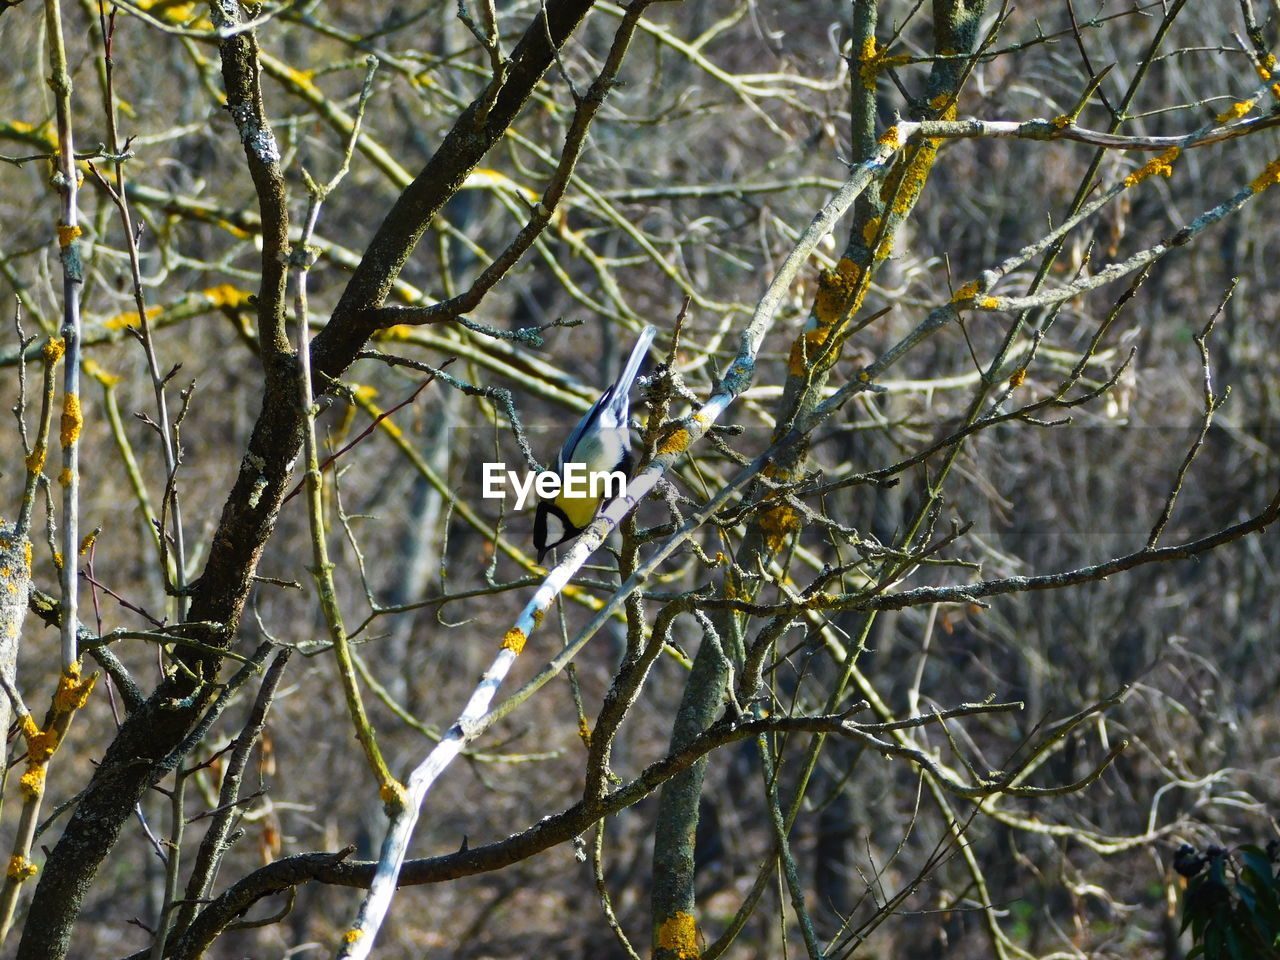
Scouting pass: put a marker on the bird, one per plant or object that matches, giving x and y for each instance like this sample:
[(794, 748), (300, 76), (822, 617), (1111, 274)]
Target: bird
[(601, 443)]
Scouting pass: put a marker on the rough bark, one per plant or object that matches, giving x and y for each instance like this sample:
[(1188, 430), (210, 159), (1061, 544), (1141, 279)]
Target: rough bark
[(151, 733)]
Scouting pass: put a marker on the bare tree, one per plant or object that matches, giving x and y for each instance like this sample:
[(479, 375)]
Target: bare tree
[(939, 611)]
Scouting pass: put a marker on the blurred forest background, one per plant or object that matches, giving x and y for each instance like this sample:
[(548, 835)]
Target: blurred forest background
[(727, 127)]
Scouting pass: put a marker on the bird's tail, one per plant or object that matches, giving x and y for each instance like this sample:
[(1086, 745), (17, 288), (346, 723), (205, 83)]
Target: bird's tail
[(627, 377)]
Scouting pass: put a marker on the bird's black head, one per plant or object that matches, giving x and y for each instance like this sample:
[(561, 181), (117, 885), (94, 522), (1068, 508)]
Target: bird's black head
[(550, 528)]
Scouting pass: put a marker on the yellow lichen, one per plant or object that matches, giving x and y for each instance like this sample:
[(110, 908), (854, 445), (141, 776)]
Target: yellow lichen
[(32, 782), (675, 443), (20, 868), (52, 350), (869, 231), (1062, 121), (944, 104), (72, 419), (1269, 177), (584, 733), (1267, 65), (806, 346), (64, 476), (891, 137), (1235, 111), (867, 71), (66, 235), (838, 292), (104, 377), (777, 524), (679, 935), (967, 292), (392, 793), (906, 180), (873, 61), (73, 691), (1161, 165), (514, 640), (301, 77), (351, 936), (227, 295), (913, 178), (130, 319), (988, 303), (87, 543), (399, 331), (238, 232), (182, 13), (1017, 377), (390, 426), (41, 745), (897, 60), (35, 459)]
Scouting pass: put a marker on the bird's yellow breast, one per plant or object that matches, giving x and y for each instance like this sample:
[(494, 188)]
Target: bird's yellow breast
[(580, 510)]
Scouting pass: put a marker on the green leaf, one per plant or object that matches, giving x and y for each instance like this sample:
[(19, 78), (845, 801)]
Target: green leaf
[(1260, 895), (1235, 948), (1215, 943), (1245, 893), (1256, 861)]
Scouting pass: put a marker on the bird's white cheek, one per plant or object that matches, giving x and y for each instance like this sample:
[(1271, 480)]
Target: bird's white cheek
[(555, 529)]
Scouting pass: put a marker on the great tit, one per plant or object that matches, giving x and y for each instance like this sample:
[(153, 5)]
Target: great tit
[(601, 443)]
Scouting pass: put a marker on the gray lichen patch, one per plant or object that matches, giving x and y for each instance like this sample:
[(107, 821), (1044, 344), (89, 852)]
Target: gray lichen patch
[(258, 139)]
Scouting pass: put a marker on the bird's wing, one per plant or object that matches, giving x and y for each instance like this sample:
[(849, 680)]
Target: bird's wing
[(611, 411), (620, 393)]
